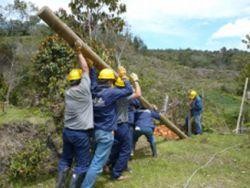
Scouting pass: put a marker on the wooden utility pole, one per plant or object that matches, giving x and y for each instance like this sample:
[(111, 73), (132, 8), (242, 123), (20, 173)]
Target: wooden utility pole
[(67, 34), (165, 104), (237, 130)]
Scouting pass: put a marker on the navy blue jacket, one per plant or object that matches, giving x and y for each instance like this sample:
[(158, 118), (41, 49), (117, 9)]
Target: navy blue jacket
[(196, 106), (144, 118), (104, 102), (133, 104)]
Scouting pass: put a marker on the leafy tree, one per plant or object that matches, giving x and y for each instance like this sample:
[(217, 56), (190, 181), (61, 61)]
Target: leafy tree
[(139, 44), (17, 18), (93, 16), (247, 40), (51, 65)]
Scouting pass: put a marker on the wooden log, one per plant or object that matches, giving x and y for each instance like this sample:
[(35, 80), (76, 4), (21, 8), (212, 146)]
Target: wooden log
[(67, 34), (47, 15)]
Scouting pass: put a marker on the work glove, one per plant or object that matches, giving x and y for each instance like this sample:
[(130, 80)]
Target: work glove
[(122, 72), (134, 77), (78, 46), (154, 107)]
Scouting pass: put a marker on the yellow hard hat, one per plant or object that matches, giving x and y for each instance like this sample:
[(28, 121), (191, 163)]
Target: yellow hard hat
[(192, 94), (74, 74), (106, 74), (119, 82)]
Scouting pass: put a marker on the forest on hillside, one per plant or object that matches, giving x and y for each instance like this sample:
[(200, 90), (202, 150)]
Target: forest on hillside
[(34, 62)]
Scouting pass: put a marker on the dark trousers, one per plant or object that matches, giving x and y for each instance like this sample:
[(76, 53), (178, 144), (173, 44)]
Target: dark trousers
[(121, 149), (149, 133), (76, 146)]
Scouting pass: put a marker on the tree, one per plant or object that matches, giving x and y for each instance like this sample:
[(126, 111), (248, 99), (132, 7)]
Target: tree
[(51, 65), (139, 44), (247, 41), (97, 15), (18, 18)]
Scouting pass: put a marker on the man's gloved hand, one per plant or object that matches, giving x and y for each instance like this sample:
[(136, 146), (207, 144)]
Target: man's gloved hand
[(154, 107), (122, 71), (134, 77), (78, 46)]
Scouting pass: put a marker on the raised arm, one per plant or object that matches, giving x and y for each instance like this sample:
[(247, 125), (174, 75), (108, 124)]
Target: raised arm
[(80, 59), (135, 81), (83, 63)]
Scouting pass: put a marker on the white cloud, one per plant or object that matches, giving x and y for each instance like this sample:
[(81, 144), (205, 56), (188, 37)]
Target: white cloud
[(167, 16), (239, 28), (186, 9)]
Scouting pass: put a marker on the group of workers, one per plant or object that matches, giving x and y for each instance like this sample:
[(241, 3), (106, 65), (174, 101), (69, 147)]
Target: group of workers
[(103, 120)]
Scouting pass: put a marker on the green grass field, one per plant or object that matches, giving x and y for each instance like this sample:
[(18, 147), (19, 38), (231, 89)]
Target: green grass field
[(13, 114), (177, 160)]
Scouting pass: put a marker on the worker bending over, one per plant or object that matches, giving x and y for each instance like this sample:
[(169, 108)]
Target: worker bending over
[(144, 126)]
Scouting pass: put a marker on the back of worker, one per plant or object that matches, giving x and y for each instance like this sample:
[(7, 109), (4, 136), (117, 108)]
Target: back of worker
[(144, 118), (144, 126), (78, 114), (105, 115), (78, 125)]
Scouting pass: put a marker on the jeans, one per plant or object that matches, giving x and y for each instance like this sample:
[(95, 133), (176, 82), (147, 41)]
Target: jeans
[(148, 132), (197, 124), (76, 145), (103, 141), (121, 149)]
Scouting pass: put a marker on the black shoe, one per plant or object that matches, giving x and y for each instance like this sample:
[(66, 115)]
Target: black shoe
[(60, 182), (76, 180)]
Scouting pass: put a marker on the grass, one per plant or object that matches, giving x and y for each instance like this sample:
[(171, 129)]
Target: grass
[(177, 160), (13, 114)]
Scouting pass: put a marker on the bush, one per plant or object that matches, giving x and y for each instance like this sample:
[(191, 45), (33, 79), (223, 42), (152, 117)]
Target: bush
[(29, 162)]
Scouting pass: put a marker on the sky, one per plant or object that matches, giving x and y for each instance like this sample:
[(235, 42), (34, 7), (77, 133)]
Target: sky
[(181, 24)]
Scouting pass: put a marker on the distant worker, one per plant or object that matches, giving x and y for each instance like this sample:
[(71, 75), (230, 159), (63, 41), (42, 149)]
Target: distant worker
[(195, 111), (105, 97), (121, 149), (78, 123), (144, 126)]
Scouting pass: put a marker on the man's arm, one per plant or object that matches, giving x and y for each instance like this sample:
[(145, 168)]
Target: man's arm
[(83, 63), (81, 60), (135, 81), (155, 114)]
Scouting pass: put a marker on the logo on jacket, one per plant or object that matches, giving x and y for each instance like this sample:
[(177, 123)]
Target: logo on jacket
[(98, 102)]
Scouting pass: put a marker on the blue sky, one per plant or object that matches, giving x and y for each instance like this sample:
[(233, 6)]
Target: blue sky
[(180, 24)]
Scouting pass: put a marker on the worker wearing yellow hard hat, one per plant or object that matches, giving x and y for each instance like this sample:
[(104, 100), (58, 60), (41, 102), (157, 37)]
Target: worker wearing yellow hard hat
[(120, 153), (78, 120), (74, 74), (195, 112), (105, 97)]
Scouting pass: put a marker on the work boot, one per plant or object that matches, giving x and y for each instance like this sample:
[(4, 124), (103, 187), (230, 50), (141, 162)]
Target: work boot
[(60, 182), (153, 149), (76, 180)]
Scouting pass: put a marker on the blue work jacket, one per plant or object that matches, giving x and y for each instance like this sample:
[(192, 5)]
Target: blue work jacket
[(196, 106), (133, 104), (104, 102), (144, 118)]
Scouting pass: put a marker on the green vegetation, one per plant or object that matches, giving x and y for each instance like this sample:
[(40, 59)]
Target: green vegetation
[(177, 161), (13, 114)]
